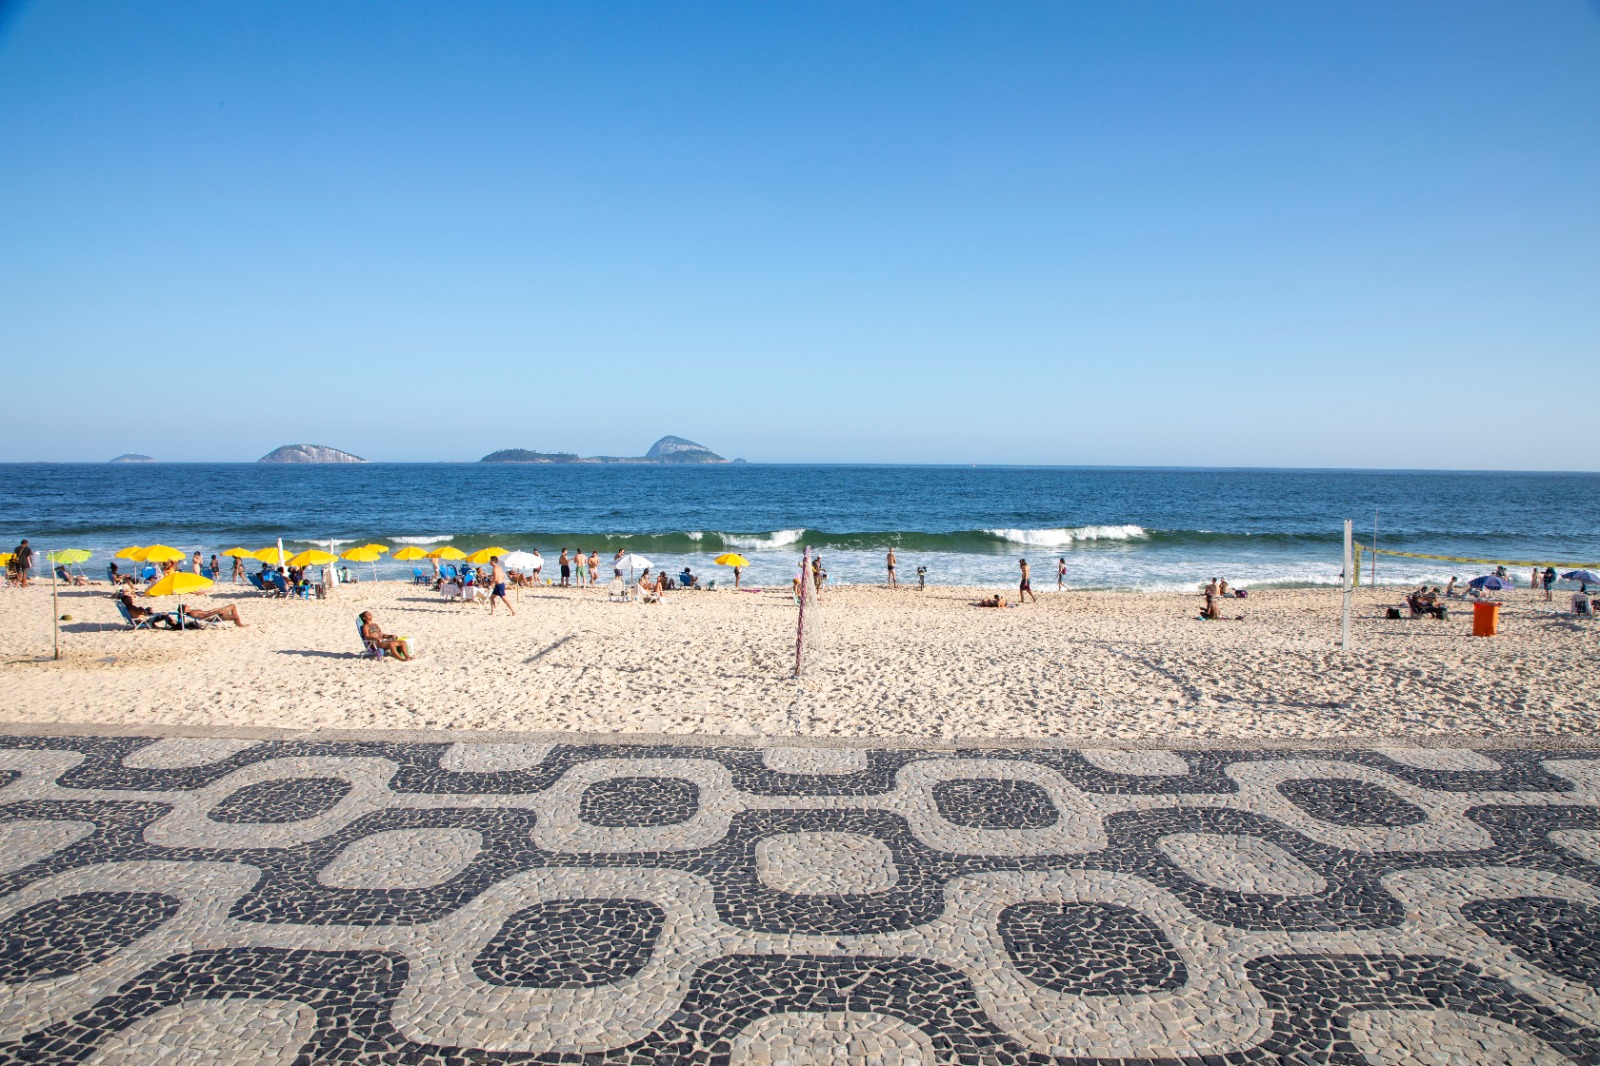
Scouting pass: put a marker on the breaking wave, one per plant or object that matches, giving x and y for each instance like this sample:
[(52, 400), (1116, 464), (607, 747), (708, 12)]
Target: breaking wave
[(1053, 538)]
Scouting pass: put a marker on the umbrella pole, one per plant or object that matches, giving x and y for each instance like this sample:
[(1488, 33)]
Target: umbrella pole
[(55, 611)]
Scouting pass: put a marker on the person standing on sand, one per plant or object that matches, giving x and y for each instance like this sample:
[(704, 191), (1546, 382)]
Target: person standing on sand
[(238, 570), (497, 571), (566, 568), (890, 561), (1549, 583), (1061, 575), (194, 563), (580, 563), (1026, 586), (538, 566), (21, 563), (216, 568), (594, 568)]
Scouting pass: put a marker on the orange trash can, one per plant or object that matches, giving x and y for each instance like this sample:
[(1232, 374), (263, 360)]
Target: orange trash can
[(1485, 619)]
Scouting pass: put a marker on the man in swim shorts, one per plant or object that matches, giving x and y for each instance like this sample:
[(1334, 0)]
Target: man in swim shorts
[(890, 561), (499, 571), (1026, 587)]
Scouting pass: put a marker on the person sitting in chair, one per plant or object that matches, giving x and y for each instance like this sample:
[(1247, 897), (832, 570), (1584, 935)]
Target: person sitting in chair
[(687, 579), (157, 619), (69, 578), (230, 613), (395, 646)]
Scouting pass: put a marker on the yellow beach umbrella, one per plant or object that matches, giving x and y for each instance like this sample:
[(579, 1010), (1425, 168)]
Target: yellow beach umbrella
[(731, 559), (176, 584), (447, 552), (272, 556), (239, 553), (128, 552), (381, 549), (483, 555), (68, 555), (409, 554), (5, 558), (158, 553), (367, 553), (313, 557)]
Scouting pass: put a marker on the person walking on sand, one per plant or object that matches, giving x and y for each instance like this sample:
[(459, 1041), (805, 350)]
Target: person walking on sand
[(566, 568), (890, 561), (238, 570), (1549, 583), (1026, 587), (498, 571), (216, 568), (1061, 575)]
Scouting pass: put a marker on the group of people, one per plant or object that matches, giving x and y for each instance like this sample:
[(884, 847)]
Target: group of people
[(1426, 601), (1215, 592)]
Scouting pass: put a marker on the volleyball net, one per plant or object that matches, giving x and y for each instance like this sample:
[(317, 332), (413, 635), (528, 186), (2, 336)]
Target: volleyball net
[(1363, 550)]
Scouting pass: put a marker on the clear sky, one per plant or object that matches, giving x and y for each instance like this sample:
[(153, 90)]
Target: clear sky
[(1341, 234)]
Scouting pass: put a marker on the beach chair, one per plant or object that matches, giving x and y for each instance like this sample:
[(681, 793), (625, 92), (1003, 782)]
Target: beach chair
[(136, 623), (207, 573), (148, 573), (261, 585), (449, 573), (418, 577), (617, 591)]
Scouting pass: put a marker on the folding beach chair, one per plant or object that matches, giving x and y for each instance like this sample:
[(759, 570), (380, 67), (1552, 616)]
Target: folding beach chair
[(418, 577), (369, 648), (136, 623)]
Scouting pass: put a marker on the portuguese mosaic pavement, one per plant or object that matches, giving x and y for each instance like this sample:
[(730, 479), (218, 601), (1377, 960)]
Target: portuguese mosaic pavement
[(172, 899)]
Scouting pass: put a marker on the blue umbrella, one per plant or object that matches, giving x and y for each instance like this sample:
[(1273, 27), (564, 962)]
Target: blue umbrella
[(1490, 582), (1582, 577)]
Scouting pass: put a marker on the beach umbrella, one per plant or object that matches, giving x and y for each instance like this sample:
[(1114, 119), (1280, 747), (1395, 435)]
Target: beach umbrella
[(519, 559), (1582, 577), (409, 554), (1489, 582), (176, 584), (447, 552), (68, 556), (381, 549), (158, 553), (631, 561), (483, 555), (367, 553), (239, 553), (312, 557), (270, 556), (5, 558), (731, 559), (128, 552)]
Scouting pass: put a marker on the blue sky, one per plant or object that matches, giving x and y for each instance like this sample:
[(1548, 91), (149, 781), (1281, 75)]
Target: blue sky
[(1210, 234)]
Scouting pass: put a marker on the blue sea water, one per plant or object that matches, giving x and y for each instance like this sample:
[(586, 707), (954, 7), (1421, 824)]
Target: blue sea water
[(1117, 528)]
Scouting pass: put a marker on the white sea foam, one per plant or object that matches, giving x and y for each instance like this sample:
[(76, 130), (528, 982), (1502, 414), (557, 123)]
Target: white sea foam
[(695, 535), (764, 541), (1061, 537), (422, 540)]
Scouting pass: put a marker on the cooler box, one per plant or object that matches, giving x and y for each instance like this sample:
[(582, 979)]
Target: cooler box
[(1485, 619)]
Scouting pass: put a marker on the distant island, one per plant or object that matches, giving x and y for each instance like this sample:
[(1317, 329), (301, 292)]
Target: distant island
[(132, 457), (308, 453), (668, 449)]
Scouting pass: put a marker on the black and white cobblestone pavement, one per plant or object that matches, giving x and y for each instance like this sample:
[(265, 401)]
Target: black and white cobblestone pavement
[(236, 901)]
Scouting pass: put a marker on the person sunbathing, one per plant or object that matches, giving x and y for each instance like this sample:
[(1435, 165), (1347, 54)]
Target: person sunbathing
[(156, 619), (230, 613), (395, 646), (996, 600)]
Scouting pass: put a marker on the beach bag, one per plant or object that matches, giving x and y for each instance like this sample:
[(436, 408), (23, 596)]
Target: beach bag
[(1394, 614)]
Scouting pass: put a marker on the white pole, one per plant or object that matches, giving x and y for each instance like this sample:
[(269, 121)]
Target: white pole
[(1374, 547), (55, 606), (1344, 623)]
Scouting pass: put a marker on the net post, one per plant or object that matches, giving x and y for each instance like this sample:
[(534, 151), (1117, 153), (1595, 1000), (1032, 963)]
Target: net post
[(1344, 620), (800, 625)]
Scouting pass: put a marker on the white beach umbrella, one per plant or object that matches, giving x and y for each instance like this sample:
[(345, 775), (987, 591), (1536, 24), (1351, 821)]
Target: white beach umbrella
[(518, 560), (632, 562)]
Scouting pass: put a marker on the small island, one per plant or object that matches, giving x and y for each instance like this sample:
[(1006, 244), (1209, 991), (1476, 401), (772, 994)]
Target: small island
[(668, 449), (309, 453), (132, 457)]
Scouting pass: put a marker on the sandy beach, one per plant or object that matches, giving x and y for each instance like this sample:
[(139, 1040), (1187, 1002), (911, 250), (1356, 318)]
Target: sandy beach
[(893, 664)]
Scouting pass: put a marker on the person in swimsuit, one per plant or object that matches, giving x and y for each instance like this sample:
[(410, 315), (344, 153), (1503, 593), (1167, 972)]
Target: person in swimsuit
[(594, 568), (372, 634), (1026, 587), (498, 573), (139, 614), (1061, 575), (238, 570), (581, 561), (890, 561), (196, 561), (229, 613), (566, 568)]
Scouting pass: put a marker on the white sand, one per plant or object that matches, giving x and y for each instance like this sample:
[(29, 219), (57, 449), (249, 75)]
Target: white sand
[(1108, 665)]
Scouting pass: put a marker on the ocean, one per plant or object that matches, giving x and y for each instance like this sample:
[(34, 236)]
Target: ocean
[(1134, 528)]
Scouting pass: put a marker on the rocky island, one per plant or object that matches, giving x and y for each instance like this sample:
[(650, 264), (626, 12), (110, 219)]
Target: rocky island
[(309, 453), (668, 449)]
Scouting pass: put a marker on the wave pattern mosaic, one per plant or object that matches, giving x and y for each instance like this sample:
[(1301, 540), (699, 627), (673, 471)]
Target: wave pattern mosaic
[(303, 901)]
